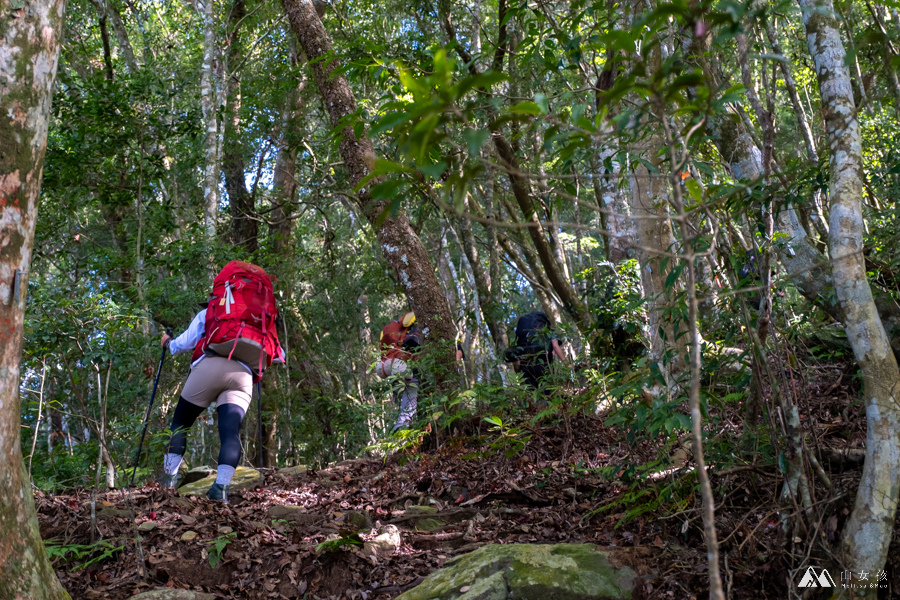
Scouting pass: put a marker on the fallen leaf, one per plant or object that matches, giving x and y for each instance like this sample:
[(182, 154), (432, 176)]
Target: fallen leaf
[(188, 536)]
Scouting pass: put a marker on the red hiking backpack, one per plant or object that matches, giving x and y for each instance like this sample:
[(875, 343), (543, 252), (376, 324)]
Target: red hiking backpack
[(240, 318)]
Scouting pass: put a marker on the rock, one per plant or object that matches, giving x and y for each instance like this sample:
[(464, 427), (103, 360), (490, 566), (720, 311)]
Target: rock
[(358, 520), (196, 474), (244, 478), (297, 514), (527, 572), (420, 510), (425, 523), (385, 543), (297, 471), (172, 594), (429, 524)]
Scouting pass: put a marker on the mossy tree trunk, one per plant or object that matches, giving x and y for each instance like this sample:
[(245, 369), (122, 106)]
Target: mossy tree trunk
[(241, 202), (867, 534), (30, 36), (400, 244)]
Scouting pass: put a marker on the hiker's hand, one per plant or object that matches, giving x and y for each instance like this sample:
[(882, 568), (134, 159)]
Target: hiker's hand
[(166, 340)]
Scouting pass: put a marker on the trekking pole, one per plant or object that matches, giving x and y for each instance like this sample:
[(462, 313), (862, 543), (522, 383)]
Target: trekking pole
[(259, 453), (137, 459)]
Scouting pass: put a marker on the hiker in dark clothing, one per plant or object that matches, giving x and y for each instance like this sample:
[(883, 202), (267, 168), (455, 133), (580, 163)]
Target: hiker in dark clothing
[(536, 345)]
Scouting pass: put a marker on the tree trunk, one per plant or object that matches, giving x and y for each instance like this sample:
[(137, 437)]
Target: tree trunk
[(655, 239), (867, 533), (791, 86), (805, 265), (244, 228), (618, 229), (402, 247), (31, 34), (490, 306), (209, 102), (109, 12), (284, 177)]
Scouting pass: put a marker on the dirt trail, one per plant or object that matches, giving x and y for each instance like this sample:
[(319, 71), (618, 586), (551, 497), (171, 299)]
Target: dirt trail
[(264, 544)]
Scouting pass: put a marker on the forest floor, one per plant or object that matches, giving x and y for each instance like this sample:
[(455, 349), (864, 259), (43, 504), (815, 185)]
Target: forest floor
[(551, 491)]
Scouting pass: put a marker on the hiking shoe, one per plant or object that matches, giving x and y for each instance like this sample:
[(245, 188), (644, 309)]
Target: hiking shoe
[(169, 482), (218, 492)]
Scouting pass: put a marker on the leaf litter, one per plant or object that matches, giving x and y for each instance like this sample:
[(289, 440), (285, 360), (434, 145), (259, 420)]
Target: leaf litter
[(358, 530)]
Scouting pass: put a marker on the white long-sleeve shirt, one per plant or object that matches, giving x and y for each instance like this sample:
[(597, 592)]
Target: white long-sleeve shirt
[(187, 341)]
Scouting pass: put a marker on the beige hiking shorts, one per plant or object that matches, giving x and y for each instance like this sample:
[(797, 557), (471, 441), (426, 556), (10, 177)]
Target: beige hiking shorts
[(217, 379)]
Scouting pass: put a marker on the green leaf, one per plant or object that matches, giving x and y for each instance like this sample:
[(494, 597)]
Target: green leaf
[(475, 139), (494, 421), (433, 170), (526, 108), (482, 80), (674, 274), (389, 121), (543, 102), (693, 189)]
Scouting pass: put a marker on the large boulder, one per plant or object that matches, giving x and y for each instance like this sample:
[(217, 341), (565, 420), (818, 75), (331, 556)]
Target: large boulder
[(196, 474), (172, 594), (245, 478), (527, 572)]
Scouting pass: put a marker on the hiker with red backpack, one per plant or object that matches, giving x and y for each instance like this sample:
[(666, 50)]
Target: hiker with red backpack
[(234, 339)]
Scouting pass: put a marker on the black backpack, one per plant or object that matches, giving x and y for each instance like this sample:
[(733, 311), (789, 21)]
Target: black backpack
[(532, 341)]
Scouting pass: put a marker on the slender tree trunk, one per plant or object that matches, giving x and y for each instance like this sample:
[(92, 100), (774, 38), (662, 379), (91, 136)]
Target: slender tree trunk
[(791, 86), (31, 34), (109, 12), (37, 425), (618, 229), (284, 177), (493, 310), (804, 264), (401, 245), (209, 102), (867, 533), (244, 225), (107, 52)]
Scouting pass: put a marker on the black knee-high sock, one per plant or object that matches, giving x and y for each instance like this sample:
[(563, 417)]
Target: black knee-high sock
[(185, 415), (230, 417)]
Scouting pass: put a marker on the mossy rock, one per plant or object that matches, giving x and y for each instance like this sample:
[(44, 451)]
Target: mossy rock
[(420, 510), (297, 514), (172, 594), (196, 474), (244, 478), (358, 520), (528, 572), (429, 524), (298, 471)]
